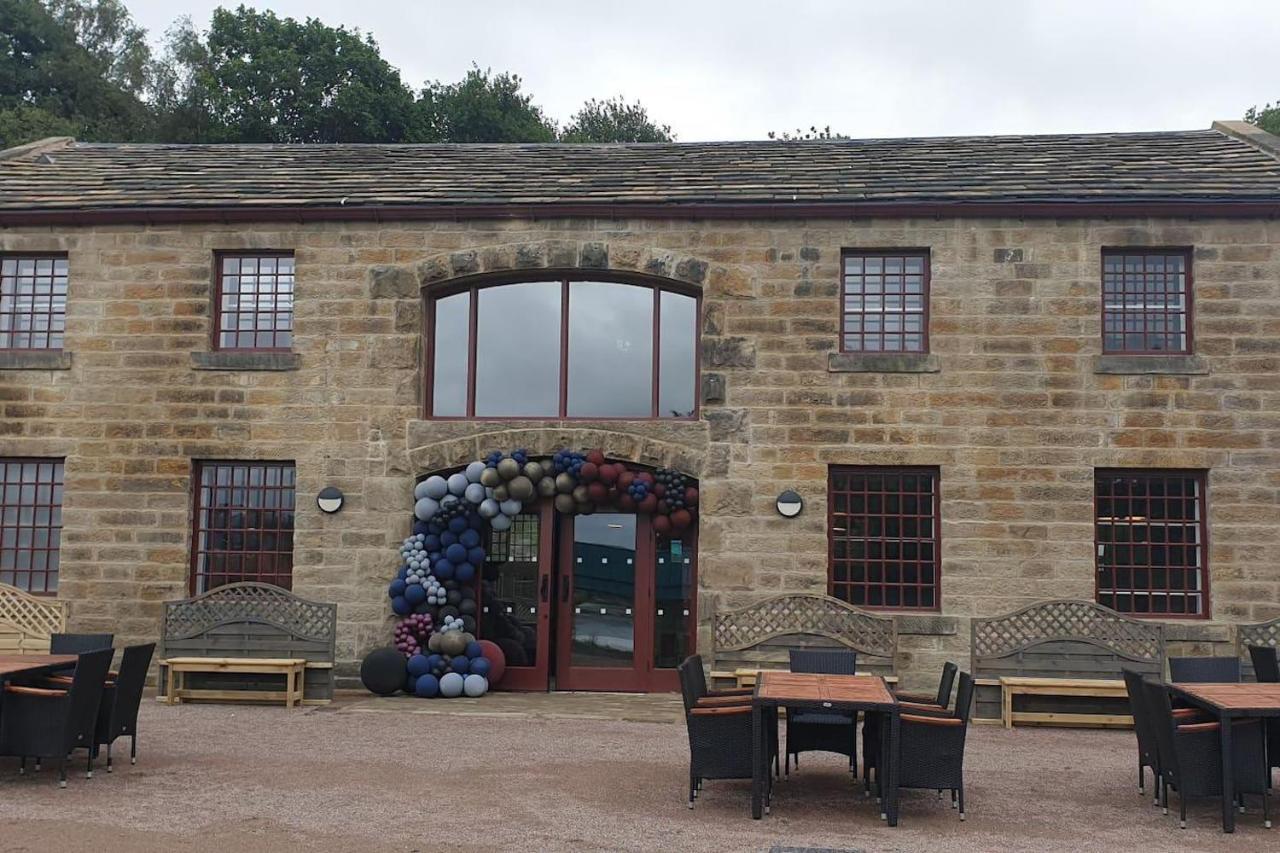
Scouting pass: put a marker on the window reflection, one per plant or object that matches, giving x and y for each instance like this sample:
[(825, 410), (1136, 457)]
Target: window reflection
[(676, 364), (610, 350), (518, 350), (449, 391)]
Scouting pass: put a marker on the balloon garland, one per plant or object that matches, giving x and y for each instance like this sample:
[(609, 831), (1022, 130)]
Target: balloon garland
[(434, 590)]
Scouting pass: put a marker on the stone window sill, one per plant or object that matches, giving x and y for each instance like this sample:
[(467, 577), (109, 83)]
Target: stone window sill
[(882, 362), (35, 359), (235, 360), (1163, 365)]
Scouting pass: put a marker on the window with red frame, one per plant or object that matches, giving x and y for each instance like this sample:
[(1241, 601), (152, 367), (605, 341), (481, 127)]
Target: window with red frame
[(1146, 302), (254, 302), (30, 523), (1149, 542), (883, 537), (243, 527), (33, 302), (885, 303)]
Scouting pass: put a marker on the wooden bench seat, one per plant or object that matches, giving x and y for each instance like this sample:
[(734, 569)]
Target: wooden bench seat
[(1092, 688), (293, 670)]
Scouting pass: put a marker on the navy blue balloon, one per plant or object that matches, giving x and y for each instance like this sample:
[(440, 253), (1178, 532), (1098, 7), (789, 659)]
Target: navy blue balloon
[(428, 686), (409, 684), (415, 594), (474, 650), (424, 607), (403, 573), (464, 572), (400, 607), (396, 588), (476, 556), (457, 524), (433, 661), (443, 570), (470, 538), (456, 553), (461, 664), (431, 543), (435, 555), (417, 665), (448, 538), (481, 666), (420, 527)]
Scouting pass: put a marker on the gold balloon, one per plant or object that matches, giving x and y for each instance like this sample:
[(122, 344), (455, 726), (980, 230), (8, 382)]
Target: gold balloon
[(565, 483), (564, 504), (547, 486), (509, 468), (491, 478), (501, 493), (521, 488), (533, 471), (580, 494)]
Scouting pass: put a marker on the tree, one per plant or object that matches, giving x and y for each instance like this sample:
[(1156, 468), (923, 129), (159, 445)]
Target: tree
[(254, 77), (801, 134), (614, 120), (51, 83), (482, 107), (1267, 118)]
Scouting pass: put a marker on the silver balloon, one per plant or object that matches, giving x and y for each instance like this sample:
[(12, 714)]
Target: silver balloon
[(436, 486), (474, 470), (500, 523), (489, 508), (511, 507), (457, 484), (474, 493), (425, 508)]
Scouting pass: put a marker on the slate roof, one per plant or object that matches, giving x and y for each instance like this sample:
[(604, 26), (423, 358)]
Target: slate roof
[(1199, 165)]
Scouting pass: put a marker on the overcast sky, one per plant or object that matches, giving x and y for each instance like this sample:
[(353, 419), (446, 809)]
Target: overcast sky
[(736, 69)]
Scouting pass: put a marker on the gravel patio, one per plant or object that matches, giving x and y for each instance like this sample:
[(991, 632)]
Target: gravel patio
[(560, 772)]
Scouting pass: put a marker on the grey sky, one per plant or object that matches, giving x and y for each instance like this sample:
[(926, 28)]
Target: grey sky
[(736, 70)]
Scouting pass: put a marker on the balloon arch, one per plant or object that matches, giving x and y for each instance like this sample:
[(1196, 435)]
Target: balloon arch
[(436, 652)]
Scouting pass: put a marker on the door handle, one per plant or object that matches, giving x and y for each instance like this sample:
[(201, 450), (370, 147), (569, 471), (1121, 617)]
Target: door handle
[(545, 580)]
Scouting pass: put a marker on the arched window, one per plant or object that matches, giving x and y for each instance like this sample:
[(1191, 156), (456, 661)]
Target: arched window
[(562, 348)]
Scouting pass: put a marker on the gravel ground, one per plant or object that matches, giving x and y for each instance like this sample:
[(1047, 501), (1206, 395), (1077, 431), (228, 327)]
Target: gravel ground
[(223, 778)]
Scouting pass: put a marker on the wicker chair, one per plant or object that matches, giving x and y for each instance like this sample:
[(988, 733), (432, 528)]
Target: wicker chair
[(931, 748), (698, 683), (75, 644), (943, 697), (1148, 756), (1190, 757), (1224, 670), (720, 735), (1266, 664), (43, 723), (816, 731)]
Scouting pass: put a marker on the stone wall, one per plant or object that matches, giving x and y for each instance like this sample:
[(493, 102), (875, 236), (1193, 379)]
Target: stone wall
[(1014, 405)]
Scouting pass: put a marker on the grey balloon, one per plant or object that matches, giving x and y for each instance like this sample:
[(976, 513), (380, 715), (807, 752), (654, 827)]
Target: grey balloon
[(511, 507), (474, 470), (420, 491), (436, 486), (425, 508), (500, 523), (457, 484), (474, 493), (489, 508)]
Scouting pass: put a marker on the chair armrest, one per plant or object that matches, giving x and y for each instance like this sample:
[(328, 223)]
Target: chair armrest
[(33, 691), (932, 721), (732, 691), (722, 710), (708, 701), (921, 706), (922, 698), (1191, 728), (1184, 714)]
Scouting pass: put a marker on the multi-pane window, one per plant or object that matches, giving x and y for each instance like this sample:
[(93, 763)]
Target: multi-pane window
[(33, 302), (254, 302), (1146, 301), (883, 536), (30, 523), (1149, 541), (570, 349), (885, 302), (243, 528)]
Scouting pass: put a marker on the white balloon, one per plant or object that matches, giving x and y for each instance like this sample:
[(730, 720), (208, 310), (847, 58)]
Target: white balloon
[(473, 472), (474, 493), (436, 487), (510, 507), (500, 523), (425, 509), (475, 685), (457, 484), (420, 492)]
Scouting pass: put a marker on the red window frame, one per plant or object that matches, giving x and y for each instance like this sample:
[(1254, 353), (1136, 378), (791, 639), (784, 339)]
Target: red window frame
[(854, 301), (860, 567), (47, 282), (1124, 501), (1142, 319), (242, 523), (562, 411), (35, 485), (227, 308)]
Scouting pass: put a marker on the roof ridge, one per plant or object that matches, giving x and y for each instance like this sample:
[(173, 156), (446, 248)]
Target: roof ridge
[(35, 149), (1250, 134)]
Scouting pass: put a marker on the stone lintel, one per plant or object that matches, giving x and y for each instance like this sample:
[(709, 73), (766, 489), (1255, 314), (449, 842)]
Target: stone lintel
[(247, 360), (883, 362), (1164, 365)]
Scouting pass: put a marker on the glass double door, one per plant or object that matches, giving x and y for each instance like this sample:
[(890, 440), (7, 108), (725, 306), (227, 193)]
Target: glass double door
[(588, 602)]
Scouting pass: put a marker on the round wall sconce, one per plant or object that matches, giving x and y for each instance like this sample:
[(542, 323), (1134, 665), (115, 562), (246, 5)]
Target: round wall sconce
[(330, 499), (789, 504)]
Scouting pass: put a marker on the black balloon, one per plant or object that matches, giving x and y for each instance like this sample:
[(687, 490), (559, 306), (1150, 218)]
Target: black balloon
[(382, 671)]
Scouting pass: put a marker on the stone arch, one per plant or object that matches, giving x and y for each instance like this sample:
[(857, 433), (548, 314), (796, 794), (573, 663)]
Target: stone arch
[(435, 446)]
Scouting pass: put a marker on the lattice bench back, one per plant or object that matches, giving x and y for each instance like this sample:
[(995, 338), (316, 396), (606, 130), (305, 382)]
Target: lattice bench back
[(253, 620), (1255, 634), (1062, 639), (26, 621), (760, 634)]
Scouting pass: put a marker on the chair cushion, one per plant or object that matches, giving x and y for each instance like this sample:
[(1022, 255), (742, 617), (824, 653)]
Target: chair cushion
[(818, 718)]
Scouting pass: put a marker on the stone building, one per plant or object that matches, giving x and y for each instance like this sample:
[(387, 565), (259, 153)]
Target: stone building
[(995, 370)]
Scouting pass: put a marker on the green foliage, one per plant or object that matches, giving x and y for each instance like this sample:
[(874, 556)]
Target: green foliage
[(812, 133), (254, 77), (1267, 118), (614, 120), (482, 107)]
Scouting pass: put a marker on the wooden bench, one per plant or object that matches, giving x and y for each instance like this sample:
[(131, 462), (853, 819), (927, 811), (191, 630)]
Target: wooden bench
[(293, 670), (27, 621), (1093, 688)]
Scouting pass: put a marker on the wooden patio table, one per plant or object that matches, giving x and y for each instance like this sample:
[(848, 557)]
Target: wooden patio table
[(821, 692), (1227, 702), (11, 665)]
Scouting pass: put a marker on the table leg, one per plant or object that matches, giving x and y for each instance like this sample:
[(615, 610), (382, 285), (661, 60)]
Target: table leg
[(169, 687), (758, 749), (1228, 777), (289, 687), (895, 725)]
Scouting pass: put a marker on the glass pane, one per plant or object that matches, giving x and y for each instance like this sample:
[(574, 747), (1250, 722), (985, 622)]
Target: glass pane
[(518, 350), (677, 356), (604, 590), (674, 602), (449, 353), (610, 350), (509, 592)]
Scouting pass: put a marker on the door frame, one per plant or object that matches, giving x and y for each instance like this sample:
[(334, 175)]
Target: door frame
[(537, 677)]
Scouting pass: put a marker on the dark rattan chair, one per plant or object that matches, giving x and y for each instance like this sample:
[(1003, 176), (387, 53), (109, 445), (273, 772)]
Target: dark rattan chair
[(816, 731), (942, 699), (698, 684), (1217, 670), (720, 737), (118, 715), (1144, 729), (76, 644), (43, 723), (1190, 755), (931, 748), (1266, 664)]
